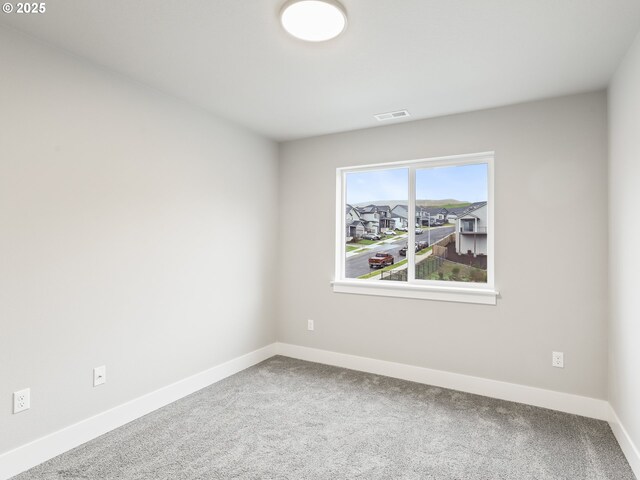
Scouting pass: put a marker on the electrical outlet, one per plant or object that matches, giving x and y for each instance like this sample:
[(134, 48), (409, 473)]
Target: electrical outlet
[(21, 400), (310, 324), (557, 359), (99, 375)]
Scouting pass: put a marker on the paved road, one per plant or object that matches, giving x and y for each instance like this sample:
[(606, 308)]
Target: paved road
[(357, 265)]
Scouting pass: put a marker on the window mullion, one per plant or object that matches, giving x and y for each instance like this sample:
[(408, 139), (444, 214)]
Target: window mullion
[(341, 182), (411, 220)]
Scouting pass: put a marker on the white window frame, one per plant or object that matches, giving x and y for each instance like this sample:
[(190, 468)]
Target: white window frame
[(466, 292)]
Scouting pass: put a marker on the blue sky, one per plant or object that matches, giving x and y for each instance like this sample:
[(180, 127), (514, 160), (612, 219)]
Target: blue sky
[(466, 183), (378, 185)]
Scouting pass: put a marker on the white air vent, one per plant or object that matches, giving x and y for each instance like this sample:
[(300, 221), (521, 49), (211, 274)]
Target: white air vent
[(381, 117)]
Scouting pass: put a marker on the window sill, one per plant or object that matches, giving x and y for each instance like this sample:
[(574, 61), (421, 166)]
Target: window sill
[(481, 296)]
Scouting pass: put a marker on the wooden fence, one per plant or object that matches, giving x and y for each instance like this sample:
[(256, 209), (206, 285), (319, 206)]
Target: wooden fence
[(440, 247), (440, 251)]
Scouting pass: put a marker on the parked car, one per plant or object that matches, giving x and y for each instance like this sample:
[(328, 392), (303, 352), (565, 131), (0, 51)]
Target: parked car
[(371, 236), (403, 250), (419, 246), (439, 223), (389, 232), (381, 259), (419, 231), (403, 229)]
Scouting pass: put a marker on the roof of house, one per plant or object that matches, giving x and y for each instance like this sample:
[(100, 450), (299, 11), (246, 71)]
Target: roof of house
[(433, 209), (472, 208), (367, 209), (375, 208), (475, 206), (458, 210)]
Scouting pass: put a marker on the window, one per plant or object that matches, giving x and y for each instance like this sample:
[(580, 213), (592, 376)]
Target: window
[(468, 225), (417, 229)]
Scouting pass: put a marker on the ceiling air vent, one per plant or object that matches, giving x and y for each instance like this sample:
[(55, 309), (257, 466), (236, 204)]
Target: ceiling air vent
[(381, 117)]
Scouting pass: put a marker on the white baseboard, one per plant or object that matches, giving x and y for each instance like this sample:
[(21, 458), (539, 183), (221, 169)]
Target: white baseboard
[(27, 456), (563, 402), (629, 449), (42, 449)]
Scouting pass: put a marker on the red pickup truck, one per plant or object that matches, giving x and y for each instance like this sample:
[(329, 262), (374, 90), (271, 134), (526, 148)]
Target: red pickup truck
[(380, 260)]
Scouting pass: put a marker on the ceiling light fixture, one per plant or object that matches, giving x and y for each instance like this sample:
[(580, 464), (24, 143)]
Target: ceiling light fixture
[(313, 20)]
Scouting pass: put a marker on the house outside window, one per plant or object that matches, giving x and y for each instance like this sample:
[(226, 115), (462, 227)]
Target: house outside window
[(445, 254)]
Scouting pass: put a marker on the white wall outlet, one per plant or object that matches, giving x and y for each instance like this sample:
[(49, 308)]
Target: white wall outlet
[(310, 324), (557, 359), (99, 375), (21, 400)]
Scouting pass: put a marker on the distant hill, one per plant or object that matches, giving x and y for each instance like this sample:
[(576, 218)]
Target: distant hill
[(451, 205), (446, 203)]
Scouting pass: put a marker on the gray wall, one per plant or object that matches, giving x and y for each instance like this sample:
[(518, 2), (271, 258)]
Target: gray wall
[(124, 239), (624, 207), (551, 248)]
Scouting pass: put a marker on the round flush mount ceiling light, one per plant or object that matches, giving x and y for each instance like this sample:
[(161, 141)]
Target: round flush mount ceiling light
[(313, 20)]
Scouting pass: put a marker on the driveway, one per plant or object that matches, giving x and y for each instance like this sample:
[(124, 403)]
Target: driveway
[(358, 265)]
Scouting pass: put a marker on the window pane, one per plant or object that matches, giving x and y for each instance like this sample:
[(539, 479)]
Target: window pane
[(376, 224), (452, 223)]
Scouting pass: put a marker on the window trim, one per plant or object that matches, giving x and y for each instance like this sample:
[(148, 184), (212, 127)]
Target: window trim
[(466, 292)]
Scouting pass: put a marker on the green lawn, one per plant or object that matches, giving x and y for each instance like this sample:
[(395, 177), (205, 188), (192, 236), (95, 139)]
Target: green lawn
[(351, 248), (424, 250), (364, 242), (455, 205)]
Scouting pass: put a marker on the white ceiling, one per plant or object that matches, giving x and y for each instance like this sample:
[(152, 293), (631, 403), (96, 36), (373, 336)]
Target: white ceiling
[(432, 57)]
